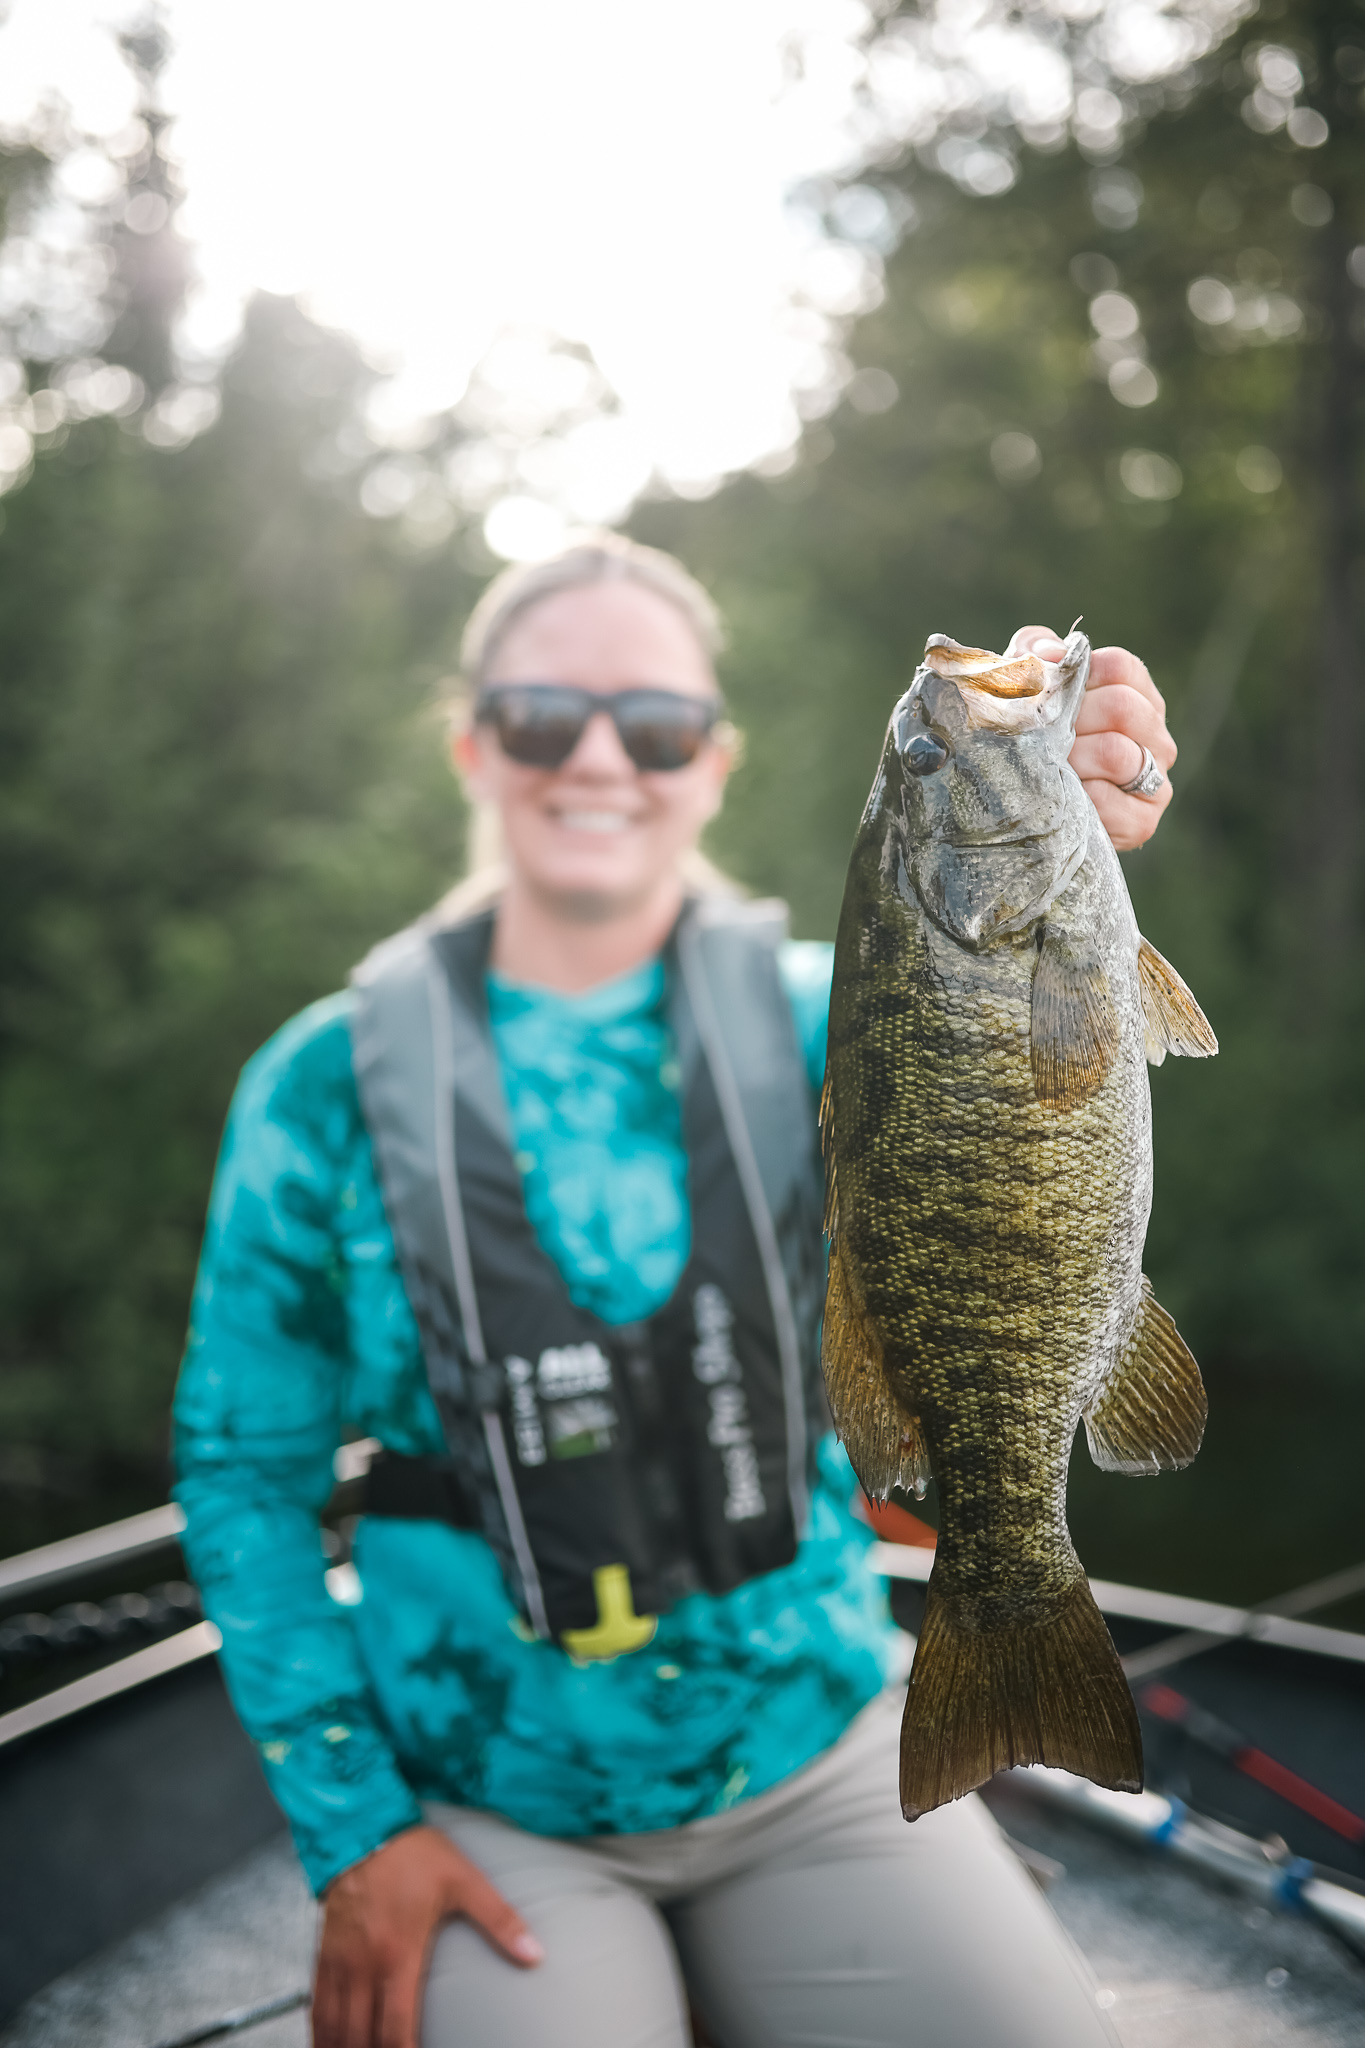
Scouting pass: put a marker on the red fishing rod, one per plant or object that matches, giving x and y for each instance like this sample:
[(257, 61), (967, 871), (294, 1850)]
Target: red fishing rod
[(1217, 1736)]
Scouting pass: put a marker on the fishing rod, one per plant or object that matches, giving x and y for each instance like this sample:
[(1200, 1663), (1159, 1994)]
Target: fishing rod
[(238, 2022), (1284, 1607), (1167, 1825), (1222, 1740)]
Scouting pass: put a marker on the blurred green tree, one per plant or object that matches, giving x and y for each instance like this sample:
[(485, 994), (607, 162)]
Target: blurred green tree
[(221, 779)]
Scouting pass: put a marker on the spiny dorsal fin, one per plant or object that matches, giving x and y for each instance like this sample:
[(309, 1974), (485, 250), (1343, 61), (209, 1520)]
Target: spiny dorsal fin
[(884, 1444), (1172, 1019), (1151, 1415), (1074, 1032)]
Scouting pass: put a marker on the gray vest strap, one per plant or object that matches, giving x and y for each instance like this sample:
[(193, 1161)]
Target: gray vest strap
[(408, 1052)]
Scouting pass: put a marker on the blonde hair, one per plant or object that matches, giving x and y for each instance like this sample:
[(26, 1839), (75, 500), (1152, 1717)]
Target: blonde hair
[(587, 559)]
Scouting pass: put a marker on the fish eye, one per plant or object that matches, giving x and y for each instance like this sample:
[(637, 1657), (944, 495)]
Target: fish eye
[(925, 754)]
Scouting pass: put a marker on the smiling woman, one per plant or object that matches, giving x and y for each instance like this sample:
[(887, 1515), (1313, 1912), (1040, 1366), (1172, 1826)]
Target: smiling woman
[(593, 836)]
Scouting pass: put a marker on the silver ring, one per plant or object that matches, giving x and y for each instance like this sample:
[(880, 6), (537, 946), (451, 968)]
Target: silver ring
[(1148, 779)]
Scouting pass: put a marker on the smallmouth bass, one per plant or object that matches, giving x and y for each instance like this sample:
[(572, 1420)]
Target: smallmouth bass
[(987, 1130)]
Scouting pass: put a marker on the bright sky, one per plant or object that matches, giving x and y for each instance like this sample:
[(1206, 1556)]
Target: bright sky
[(430, 173), (456, 181)]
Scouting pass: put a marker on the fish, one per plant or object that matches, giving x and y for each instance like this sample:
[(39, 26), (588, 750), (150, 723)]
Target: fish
[(986, 1121)]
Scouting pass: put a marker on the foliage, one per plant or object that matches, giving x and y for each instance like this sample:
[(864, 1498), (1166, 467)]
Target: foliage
[(1215, 526), (220, 780)]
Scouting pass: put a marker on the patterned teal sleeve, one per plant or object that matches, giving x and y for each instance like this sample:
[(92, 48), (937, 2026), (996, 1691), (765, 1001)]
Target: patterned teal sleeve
[(807, 969), (258, 1414)]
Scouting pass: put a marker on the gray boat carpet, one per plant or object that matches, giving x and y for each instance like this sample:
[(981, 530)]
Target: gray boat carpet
[(1181, 1963), (242, 1939)]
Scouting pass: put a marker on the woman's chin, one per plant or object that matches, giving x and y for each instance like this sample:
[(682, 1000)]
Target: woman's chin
[(607, 878)]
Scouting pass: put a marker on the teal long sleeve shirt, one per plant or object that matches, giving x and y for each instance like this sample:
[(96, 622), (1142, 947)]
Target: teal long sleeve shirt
[(301, 1336)]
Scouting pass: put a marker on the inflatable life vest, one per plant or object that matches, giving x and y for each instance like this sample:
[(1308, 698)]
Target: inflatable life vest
[(610, 1467), (613, 1469)]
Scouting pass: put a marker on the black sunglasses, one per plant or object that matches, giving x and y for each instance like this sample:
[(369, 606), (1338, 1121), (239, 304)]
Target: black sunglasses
[(540, 724)]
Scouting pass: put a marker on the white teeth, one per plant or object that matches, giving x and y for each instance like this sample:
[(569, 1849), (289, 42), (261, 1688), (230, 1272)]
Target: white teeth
[(593, 821)]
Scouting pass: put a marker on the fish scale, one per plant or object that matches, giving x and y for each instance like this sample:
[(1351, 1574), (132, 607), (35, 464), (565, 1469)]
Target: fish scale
[(988, 1135)]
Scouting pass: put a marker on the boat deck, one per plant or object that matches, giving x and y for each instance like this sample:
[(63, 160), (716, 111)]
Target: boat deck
[(147, 1888), (1188, 1964)]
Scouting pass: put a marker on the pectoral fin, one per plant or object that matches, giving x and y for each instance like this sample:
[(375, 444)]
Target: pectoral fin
[(1151, 1415), (1074, 1031), (884, 1443), (1172, 1019)]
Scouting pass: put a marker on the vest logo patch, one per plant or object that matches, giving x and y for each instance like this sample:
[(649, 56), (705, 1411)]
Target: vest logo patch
[(527, 1433), (577, 1428), (716, 1366), (574, 1383), (568, 1370)]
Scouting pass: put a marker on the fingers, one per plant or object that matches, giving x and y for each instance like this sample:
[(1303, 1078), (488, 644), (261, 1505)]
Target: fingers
[(1117, 726), (1130, 821), (328, 2013), (1117, 708), (379, 1920), (1122, 718), (343, 2006), (1039, 640), (399, 2009), (497, 1920), (1115, 665), (1111, 757)]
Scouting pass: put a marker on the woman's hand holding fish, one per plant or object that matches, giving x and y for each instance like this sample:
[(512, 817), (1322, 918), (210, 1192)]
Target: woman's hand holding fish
[(1123, 714)]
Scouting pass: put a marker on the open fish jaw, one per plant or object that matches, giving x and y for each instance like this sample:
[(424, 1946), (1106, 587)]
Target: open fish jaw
[(987, 1128), (1010, 692)]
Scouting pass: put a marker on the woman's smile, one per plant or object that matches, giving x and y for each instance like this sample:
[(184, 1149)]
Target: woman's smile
[(596, 821)]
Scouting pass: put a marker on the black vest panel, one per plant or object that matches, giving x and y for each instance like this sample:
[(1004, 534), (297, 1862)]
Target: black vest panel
[(675, 1450)]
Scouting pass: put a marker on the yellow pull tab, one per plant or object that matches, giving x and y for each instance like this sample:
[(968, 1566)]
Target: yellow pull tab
[(618, 1629)]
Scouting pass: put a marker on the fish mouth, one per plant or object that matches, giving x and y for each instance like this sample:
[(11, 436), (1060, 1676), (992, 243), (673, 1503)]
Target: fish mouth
[(1010, 692), (995, 674)]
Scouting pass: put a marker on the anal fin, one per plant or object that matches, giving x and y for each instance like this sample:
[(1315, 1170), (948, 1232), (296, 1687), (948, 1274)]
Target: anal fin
[(1151, 1415), (884, 1443), (1073, 1030), (1172, 1019), (983, 1700)]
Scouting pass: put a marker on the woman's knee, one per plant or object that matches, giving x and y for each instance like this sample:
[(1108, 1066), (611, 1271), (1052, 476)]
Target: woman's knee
[(610, 1978), (940, 1941)]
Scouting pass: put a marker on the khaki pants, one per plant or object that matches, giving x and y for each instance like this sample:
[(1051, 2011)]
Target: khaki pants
[(809, 1917)]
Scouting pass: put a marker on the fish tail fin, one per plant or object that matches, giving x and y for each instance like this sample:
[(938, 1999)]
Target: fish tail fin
[(983, 1700)]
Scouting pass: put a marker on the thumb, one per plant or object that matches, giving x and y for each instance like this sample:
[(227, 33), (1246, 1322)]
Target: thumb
[(498, 1921), (1039, 640)]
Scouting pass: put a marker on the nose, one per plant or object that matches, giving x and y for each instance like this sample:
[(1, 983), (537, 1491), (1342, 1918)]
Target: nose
[(599, 754)]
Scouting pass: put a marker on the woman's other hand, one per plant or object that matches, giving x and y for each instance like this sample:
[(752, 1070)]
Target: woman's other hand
[(379, 1920), (1123, 712)]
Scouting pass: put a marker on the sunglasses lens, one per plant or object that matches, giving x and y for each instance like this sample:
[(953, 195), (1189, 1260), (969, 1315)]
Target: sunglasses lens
[(662, 731), (540, 724), (539, 727)]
